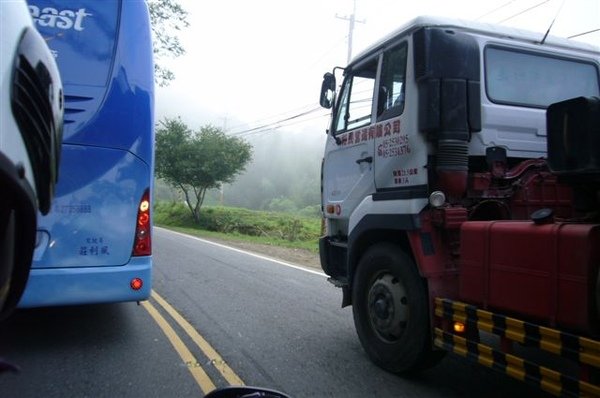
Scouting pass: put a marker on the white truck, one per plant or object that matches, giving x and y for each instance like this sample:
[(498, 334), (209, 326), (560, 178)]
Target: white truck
[(460, 204), (31, 121)]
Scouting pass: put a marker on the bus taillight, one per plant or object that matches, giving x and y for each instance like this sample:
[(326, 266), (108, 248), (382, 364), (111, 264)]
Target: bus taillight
[(142, 245)]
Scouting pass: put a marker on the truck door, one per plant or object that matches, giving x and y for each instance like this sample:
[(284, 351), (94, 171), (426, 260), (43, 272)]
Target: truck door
[(399, 153), (349, 152)]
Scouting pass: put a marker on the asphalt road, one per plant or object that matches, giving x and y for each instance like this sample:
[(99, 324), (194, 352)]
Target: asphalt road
[(265, 323)]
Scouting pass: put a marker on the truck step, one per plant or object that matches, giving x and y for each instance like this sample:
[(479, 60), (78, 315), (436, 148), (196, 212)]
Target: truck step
[(339, 243), (341, 282)]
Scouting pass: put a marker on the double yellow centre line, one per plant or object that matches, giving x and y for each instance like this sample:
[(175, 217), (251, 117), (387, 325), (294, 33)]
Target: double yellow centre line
[(203, 380)]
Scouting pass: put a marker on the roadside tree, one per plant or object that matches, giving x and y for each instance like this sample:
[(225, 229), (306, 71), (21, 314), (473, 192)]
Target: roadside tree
[(167, 17), (198, 161)]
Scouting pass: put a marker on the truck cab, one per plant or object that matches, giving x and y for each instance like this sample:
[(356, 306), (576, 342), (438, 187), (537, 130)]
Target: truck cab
[(432, 101)]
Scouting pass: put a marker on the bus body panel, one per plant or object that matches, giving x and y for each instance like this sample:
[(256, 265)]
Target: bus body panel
[(108, 72), (85, 244), (93, 218), (88, 285)]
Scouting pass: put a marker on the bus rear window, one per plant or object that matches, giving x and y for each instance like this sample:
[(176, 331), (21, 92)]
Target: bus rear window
[(81, 35), (531, 79)]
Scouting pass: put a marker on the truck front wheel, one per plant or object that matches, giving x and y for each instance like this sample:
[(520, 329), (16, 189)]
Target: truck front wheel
[(391, 310)]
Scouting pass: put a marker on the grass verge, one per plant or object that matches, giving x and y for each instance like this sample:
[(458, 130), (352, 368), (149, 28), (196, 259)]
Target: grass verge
[(242, 225)]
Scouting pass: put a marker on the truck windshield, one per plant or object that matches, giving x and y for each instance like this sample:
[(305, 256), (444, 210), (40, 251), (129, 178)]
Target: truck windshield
[(357, 97), (516, 77)]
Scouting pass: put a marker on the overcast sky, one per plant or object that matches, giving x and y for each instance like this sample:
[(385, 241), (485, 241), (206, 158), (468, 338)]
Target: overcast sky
[(254, 61)]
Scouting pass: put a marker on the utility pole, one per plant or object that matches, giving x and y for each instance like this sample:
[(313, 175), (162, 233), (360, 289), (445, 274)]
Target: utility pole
[(221, 189), (352, 20), (224, 118)]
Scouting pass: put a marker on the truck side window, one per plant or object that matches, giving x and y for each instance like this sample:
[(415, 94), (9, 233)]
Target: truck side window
[(524, 78), (391, 85), (357, 98)]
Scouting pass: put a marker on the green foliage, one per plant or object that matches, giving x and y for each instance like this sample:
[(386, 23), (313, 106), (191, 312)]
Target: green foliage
[(198, 161), (285, 205), (311, 211), (166, 16), (172, 150), (236, 221), (172, 213)]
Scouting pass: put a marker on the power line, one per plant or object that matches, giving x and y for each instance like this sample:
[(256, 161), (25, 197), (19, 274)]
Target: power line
[(495, 9), (326, 52), (524, 11), (265, 119), (269, 126), (288, 123), (278, 122), (275, 127), (266, 125), (584, 33)]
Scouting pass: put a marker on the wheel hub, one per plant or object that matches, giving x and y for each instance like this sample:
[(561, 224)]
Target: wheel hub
[(381, 308), (388, 309)]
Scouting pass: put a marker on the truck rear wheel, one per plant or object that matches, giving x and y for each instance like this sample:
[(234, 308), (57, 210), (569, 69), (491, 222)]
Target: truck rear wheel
[(391, 310)]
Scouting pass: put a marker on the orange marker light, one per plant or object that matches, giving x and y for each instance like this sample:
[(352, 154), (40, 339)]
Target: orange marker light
[(144, 205), (136, 283), (459, 327)]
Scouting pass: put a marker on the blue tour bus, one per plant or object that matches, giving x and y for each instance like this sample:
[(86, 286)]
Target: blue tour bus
[(95, 244)]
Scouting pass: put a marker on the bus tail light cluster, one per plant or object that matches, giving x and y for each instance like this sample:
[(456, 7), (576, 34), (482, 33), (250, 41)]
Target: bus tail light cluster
[(142, 245)]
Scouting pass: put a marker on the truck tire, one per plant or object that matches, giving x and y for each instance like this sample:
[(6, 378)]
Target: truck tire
[(391, 311)]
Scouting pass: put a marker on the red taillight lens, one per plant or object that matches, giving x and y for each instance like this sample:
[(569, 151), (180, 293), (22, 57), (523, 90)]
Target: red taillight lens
[(144, 218), (142, 245)]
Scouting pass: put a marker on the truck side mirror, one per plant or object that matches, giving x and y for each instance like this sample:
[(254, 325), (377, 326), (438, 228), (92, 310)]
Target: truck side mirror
[(327, 90)]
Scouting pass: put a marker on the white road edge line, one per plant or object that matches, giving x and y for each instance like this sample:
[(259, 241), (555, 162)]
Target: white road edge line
[(298, 267)]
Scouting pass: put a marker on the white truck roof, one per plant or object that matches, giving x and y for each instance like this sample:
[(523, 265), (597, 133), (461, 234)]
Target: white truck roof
[(486, 29)]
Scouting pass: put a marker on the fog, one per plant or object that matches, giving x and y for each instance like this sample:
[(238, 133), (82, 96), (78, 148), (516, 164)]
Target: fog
[(251, 64), (284, 173)]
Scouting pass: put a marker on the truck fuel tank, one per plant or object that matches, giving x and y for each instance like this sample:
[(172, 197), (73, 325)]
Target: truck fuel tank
[(544, 271)]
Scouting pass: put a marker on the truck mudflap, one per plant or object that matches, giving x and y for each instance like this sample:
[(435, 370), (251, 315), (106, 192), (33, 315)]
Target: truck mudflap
[(333, 256), (569, 378)]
